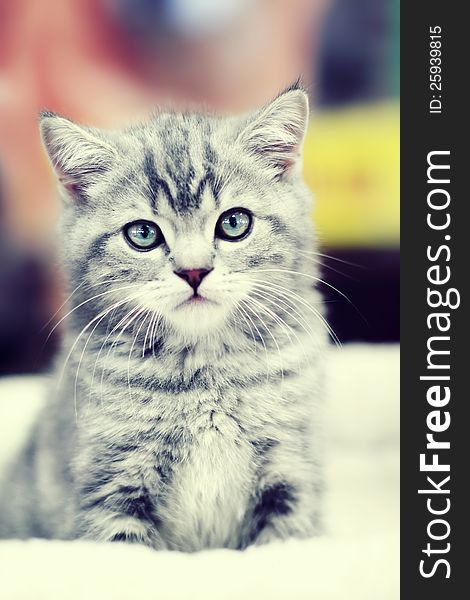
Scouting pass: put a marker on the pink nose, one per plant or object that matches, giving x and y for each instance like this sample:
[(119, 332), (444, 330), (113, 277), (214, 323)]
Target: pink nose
[(193, 276)]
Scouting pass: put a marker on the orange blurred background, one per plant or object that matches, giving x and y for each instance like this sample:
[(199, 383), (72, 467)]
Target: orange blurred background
[(89, 60), (105, 62)]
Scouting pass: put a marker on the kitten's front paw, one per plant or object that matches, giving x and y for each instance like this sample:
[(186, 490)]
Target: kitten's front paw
[(131, 538), (267, 535), (282, 530), (121, 528)]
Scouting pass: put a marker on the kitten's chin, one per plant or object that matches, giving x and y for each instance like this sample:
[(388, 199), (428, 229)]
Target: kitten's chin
[(197, 317)]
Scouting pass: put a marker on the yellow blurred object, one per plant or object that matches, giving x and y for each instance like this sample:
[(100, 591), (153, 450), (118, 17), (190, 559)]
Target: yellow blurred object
[(352, 164)]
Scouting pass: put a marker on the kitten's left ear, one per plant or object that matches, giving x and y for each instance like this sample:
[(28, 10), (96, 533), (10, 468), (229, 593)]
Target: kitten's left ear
[(276, 132), (78, 155)]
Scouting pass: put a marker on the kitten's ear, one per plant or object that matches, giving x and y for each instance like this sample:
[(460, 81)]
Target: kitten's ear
[(276, 132), (78, 156)]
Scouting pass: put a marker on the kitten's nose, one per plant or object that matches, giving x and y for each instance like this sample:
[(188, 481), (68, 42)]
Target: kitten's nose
[(193, 276)]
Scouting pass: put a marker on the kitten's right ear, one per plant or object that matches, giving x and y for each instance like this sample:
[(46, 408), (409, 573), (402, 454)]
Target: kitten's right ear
[(78, 156), (275, 133)]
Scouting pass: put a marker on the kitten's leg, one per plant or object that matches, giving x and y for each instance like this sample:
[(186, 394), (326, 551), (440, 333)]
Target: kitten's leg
[(119, 513), (286, 502), (114, 504), (282, 510), (106, 525)]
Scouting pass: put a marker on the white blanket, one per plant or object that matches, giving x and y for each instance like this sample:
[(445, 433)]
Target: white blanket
[(358, 557)]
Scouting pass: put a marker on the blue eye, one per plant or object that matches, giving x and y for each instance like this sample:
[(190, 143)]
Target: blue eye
[(143, 235), (234, 224)]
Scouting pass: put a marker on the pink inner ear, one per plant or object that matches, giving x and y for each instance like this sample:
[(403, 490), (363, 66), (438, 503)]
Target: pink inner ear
[(281, 155), (286, 164), (70, 183)]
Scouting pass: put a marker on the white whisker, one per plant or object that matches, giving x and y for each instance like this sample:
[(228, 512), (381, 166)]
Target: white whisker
[(286, 292), (282, 323), (147, 312), (260, 336), (256, 314), (86, 302)]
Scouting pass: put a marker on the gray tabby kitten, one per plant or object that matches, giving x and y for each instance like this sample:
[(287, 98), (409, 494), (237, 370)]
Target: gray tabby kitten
[(186, 411)]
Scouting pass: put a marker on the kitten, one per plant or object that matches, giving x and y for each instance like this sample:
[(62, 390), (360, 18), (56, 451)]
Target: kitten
[(186, 413)]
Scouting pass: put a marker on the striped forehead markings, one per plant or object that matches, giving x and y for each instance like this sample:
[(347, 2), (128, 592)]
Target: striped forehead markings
[(185, 199), (155, 182)]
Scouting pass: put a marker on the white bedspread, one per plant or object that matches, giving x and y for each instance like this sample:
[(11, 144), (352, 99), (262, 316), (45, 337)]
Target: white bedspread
[(358, 558)]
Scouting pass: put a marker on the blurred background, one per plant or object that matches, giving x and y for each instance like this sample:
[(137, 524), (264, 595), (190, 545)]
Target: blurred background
[(105, 62)]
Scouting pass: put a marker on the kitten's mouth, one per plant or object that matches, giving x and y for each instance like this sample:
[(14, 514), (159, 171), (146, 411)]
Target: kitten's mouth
[(194, 300)]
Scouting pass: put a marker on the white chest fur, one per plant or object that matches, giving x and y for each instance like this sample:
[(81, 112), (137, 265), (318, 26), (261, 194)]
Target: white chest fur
[(209, 495)]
